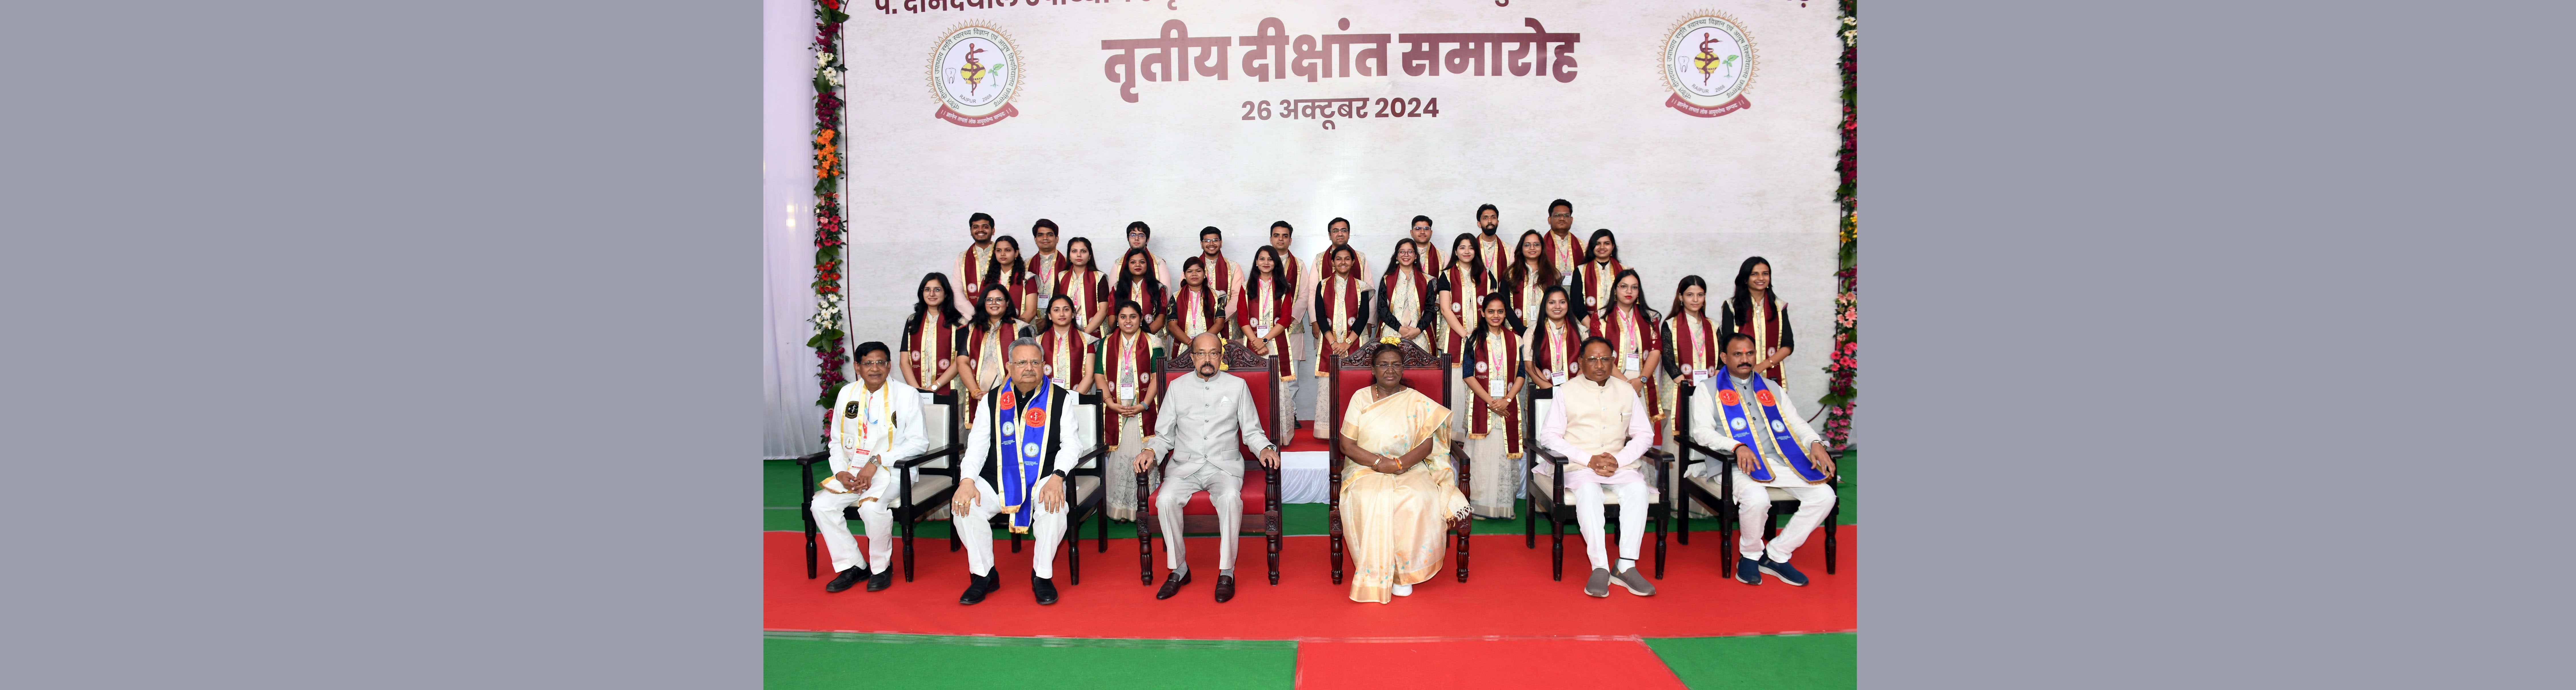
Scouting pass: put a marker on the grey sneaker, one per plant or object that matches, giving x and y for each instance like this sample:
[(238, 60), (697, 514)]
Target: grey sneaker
[(1635, 582), (1599, 585)]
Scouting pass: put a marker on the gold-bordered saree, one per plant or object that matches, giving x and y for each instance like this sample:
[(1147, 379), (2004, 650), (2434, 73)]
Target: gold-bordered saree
[(1397, 524)]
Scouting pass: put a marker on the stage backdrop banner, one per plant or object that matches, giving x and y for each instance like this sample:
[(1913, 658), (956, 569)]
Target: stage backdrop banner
[(1700, 132)]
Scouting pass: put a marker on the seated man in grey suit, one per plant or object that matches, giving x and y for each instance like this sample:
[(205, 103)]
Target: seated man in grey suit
[(1204, 415)]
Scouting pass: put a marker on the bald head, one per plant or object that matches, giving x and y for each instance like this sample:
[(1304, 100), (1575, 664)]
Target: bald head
[(1206, 351)]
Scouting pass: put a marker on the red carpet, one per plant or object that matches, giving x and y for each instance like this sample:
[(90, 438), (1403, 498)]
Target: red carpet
[(1482, 663), (1508, 593)]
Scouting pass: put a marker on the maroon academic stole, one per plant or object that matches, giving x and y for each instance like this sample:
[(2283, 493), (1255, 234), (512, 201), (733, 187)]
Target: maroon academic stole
[(1765, 338), (1560, 252), (1554, 349), (1064, 354), (1624, 328), (1048, 271), (1129, 361), (1491, 246), (1694, 343), (1498, 360), (1386, 291), (1464, 292), (1599, 285), (936, 344), (1343, 293), (1263, 306), (1196, 310), (1080, 287)]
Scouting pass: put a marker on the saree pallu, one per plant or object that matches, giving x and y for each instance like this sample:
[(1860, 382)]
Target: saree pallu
[(1397, 524)]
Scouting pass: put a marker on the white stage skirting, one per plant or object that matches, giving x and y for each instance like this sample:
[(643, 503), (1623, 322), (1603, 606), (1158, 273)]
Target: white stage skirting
[(1303, 477)]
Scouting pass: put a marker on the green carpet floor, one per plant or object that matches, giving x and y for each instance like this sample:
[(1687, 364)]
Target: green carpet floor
[(840, 660)]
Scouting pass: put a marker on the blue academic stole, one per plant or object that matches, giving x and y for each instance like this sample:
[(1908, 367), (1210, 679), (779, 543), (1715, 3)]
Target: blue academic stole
[(1020, 443), (1742, 429)]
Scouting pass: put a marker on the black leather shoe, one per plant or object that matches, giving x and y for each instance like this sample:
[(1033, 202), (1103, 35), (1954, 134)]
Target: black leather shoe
[(1172, 585), (1045, 589), (1224, 588), (881, 580), (846, 578), (977, 587)]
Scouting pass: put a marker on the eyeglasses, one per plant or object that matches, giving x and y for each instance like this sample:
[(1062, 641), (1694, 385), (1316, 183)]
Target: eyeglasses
[(1598, 359), (872, 362), (1207, 353)]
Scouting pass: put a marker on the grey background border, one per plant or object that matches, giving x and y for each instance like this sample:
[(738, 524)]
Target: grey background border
[(331, 365)]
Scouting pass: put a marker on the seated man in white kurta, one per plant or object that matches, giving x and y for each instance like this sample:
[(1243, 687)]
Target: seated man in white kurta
[(1205, 415), (1016, 463), (1774, 449), (1599, 426), (876, 422)]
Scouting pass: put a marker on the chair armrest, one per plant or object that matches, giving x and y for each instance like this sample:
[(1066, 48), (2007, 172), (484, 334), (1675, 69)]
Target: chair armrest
[(1663, 461), (818, 456), (1092, 458), (916, 461)]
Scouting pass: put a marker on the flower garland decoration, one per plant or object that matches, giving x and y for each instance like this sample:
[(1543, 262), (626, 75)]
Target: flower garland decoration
[(1839, 393), (828, 238)]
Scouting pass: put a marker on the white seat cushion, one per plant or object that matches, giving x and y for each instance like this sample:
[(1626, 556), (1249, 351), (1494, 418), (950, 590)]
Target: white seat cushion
[(1777, 495), (1546, 488)]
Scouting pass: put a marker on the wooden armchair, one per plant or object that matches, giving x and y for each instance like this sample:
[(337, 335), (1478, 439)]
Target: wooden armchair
[(1425, 373), (926, 487), (1084, 497), (1544, 493), (1718, 493), (1260, 375)]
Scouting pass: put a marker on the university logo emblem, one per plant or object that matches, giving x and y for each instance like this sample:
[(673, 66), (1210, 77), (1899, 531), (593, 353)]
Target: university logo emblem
[(1708, 63), (974, 71)]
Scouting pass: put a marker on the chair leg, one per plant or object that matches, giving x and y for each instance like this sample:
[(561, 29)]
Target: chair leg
[(953, 543), (1556, 546), (1659, 544), (907, 549), (1103, 539), (1270, 533), (1073, 553), (1529, 530), (1684, 519), (1144, 544), (1015, 542), (1466, 528), (1831, 532), (809, 546)]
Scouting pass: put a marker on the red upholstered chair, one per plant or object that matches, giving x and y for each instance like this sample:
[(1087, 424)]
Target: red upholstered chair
[(1425, 373), (1260, 484)]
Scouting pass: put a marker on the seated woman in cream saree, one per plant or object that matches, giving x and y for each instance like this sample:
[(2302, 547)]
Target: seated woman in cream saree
[(1399, 494)]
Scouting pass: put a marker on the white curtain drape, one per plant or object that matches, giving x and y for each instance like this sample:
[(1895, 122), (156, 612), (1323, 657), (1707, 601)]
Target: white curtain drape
[(792, 423)]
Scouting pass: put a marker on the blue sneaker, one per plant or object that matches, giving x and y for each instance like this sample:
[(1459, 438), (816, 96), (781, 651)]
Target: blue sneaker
[(1784, 572), (1747, 572)]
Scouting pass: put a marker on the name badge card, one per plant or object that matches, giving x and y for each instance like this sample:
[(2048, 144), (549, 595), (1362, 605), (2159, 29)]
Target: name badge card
[(1556, 379), (1628, 363), (1261, 331), (1494, 386), (925, 397)]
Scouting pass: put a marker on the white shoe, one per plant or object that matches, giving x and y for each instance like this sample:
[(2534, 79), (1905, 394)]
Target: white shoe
[(1404, 590)]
